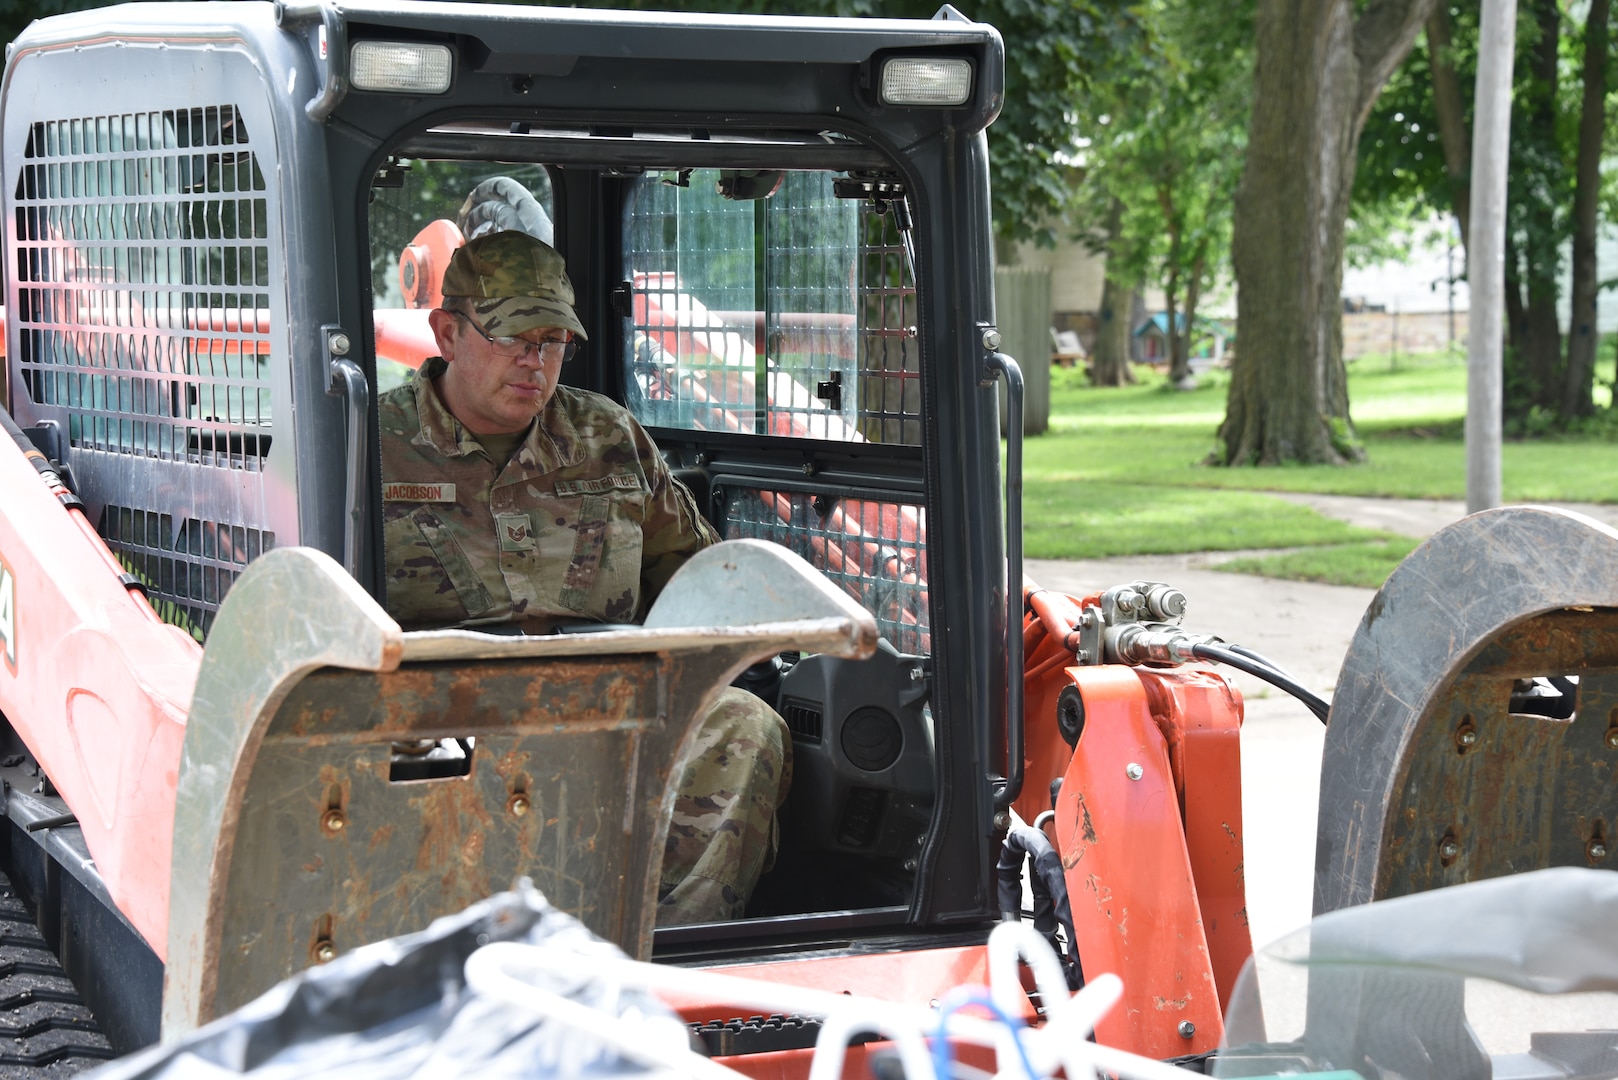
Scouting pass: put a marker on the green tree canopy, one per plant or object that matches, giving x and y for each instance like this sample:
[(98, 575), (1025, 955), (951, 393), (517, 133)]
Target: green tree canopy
[(1167, 133), (1057, 50), (1410, 169)]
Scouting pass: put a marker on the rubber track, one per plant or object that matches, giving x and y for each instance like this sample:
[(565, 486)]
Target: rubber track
[(45, 1029)]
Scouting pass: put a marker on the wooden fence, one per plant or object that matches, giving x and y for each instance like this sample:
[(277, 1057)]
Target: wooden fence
[(1022, 304)]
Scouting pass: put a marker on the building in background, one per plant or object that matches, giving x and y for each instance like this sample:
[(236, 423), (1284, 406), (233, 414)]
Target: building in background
[(1415, 305), (1420, 304), (1209, 340)]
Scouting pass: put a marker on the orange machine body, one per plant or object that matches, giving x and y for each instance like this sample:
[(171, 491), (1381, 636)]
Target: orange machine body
[(920, 977), (1148, 823), (97, 687)]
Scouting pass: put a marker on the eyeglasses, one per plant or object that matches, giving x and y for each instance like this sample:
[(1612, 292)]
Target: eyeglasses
[(512, 347)]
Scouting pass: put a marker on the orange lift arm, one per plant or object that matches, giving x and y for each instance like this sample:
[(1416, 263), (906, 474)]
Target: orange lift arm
[(1142, 767)]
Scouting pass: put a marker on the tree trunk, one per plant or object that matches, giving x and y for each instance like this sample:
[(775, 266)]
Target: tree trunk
[(1516, 315), (1317, 72), (1582, 335), (1450, 106), (1171, 334), (1541, 352), (1109, 358), (1178, 335), (1193, 293), (1542, 343)]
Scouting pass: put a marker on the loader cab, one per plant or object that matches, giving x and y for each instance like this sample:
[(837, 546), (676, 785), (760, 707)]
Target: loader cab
[(751, 295), (778, 231), (763, 324)]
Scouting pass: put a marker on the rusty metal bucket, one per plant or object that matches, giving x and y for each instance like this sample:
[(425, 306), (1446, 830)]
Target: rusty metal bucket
[(297, 834), (1429, 777)]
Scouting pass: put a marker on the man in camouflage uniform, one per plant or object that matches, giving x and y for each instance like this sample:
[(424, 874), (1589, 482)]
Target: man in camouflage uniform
[(510, 498)]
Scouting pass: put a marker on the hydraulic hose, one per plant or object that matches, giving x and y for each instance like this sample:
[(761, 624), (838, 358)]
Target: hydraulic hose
[(1057, 613), (1049, 887), (1273, 676), (42, 465), (70, 502), (1261, 658)]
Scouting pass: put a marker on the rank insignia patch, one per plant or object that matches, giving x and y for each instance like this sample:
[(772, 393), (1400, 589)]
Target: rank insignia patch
[(516, 532)]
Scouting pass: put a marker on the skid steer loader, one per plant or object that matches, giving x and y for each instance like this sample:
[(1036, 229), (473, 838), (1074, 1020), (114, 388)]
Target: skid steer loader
[(225, 224)]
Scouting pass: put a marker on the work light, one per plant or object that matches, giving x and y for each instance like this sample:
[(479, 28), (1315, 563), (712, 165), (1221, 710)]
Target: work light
[(400, 66), (926, 80)]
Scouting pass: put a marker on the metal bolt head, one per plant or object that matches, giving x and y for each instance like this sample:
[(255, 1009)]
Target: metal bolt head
[(1187, 1029), (1467, 736), (518, 804), (324, 951), (333, 820), (1134, 771), (1172, 601), (991, 340), (1448, 848), (339, 344), (1597, 849), (1127, 600), (1612, 737)]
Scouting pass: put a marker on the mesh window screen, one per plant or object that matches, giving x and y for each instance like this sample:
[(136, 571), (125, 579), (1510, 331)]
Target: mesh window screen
[(142, 254), (143, 323), (791, 316), (188, 570), (877, 551)]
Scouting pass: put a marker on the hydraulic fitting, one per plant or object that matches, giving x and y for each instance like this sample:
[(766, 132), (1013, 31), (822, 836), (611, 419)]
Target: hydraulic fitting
[(1136, 623)]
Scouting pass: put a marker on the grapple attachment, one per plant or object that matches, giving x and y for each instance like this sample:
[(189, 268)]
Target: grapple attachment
[(1474, 731), (305, 827)]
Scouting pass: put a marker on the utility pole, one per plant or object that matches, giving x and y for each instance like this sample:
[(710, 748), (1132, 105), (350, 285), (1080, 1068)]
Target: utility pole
[(1491, 139)]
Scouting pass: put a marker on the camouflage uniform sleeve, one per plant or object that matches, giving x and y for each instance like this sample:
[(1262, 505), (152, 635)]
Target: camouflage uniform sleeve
[(673, 530)]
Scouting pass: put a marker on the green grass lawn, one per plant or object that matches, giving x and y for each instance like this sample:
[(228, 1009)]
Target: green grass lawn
[(1366, 564), (1123, 471), (1066, 519)]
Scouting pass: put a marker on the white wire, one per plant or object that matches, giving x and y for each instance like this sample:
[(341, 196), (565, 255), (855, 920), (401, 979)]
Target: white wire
[(853, 1017), (512, 972), (1069, 1020), (1013, 941), (764, 997), (489, 972)]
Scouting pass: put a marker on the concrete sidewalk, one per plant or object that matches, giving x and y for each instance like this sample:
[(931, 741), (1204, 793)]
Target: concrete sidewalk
[(1415, 517), (1304, 627)]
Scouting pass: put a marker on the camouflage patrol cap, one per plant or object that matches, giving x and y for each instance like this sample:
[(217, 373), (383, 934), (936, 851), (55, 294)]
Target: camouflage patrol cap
[(516, 283)]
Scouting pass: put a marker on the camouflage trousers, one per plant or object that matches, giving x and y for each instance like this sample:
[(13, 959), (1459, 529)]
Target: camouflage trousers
[(723, 834)]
